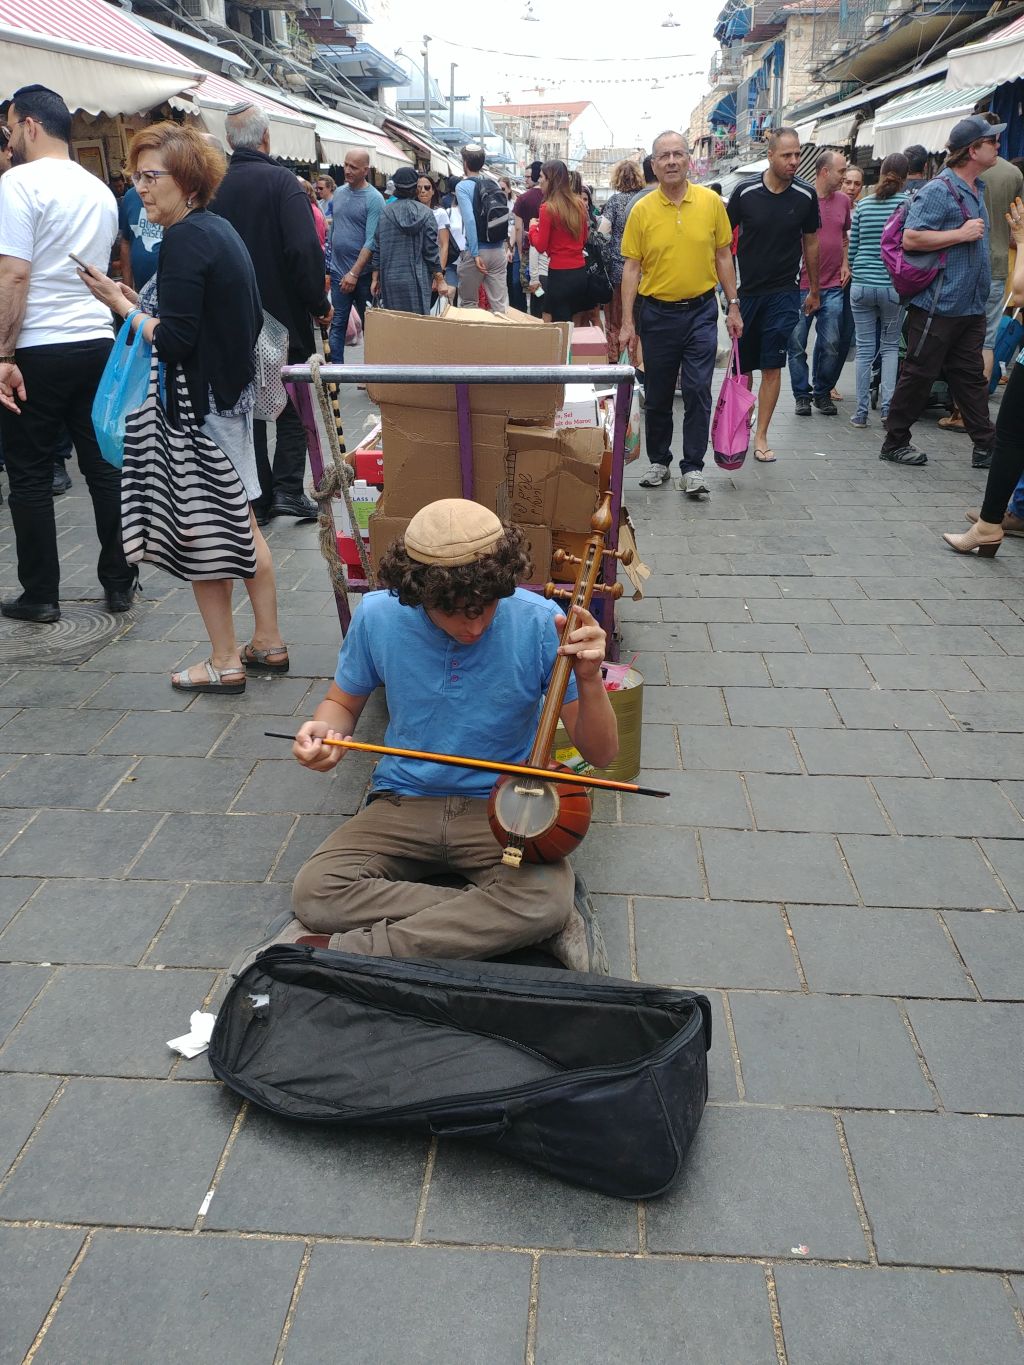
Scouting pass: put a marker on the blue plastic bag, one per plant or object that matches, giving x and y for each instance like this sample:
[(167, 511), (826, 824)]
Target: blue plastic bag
[(1009, 336), (122, 389)]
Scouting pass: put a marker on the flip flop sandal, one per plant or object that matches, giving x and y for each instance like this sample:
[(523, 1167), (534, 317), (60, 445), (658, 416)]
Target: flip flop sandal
[(765, 456), (260, 658), (215, 680)]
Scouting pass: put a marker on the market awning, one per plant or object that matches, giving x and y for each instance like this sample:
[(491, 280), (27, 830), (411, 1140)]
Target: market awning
[(724, 113), (805, 129), (926, 118), (834, 132), (292, 134), (96, 55), (341, 133), (998, 59)]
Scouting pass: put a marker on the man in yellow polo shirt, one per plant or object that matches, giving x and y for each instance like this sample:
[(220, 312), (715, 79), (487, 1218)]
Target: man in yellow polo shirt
[(676, 246)]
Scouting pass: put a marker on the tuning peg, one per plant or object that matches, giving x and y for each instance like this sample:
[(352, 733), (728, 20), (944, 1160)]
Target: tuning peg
[(626, 556), (552, 590), (561, 557), (612, 590)]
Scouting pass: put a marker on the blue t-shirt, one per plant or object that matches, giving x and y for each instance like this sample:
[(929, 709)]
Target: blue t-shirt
[(145, 237), (354, 218), (481, 700)]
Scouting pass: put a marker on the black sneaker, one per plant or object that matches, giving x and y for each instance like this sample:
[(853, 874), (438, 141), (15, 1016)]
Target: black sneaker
[(826, 406), (904, 455), (803, 407), (981, 457), (61, 479)]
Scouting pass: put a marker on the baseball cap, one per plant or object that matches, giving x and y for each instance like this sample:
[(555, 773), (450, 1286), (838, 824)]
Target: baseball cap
[(452, 531), (972, 129)]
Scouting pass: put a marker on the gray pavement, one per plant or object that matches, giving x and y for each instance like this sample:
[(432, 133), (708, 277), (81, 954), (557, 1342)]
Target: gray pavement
[(833, 698)]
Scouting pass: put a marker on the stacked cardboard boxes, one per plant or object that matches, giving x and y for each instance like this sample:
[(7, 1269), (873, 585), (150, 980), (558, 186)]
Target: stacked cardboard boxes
[(542, 478)]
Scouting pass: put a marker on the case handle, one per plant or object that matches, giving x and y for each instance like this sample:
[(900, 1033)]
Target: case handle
[(462, 1126)]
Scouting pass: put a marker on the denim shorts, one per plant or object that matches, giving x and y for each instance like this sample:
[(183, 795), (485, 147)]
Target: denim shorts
[(768, 322)]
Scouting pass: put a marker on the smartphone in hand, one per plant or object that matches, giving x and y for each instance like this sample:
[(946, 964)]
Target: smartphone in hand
[(79, 262)]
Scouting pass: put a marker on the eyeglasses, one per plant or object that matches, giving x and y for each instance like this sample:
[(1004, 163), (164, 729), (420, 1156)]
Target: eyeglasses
[(147, 178), (424, 189)]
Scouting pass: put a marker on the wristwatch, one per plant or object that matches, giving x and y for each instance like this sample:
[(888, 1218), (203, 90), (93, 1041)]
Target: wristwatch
[(732, 303), (8, 359)]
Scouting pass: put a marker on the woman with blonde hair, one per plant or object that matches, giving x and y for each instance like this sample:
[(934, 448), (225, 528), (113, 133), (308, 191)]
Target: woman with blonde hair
[(560, 233), (627, 182), (202, 313)]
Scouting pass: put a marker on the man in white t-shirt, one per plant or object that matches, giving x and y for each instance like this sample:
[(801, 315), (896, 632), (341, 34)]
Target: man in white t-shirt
[(54, 342)]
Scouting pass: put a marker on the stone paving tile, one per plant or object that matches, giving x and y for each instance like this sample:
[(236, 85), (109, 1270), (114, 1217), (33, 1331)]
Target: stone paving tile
[(19, 986), (22, 1102), (73, 920), (72, 781), (871, 639), (35, 1262), (814, 804), (627, 859), (804, 610), (70, 1029), (713, 943), (436, 1297), (477, 1196), (1007, 857), (962, 755), (60, 687), (784, 867), (820, 1050), (180, 784), (973, 1052), (78, 843), (721, 1067), (171, 734), (818, 670), (872, 612), (213, 921), (941, 872), (136, 656), (780, 706), (835, 588), (14, 892), (984, 710), (226, 848), (859, 752), (150, 1148), (309, 833), (755, 639), (313, 1179), (920, 673), (998, 675), (964, 612), (681, 638), (714, 670), (697, 798), (756, 1181), (702, 609), (140, 692), (679, 705), (215, 1280), (659, 746), (941, 1189), (737, 748), (282, 785), (917, 1317), (56, 729), (689, 1313), (992, 946), (947, 806), (862, 710), (845, 950)]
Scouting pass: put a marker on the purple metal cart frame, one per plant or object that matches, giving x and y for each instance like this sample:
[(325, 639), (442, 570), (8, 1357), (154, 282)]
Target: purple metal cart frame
[(298, 378)]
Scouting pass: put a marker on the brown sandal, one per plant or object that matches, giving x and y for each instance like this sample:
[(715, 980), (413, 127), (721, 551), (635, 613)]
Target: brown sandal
[(260, 658)]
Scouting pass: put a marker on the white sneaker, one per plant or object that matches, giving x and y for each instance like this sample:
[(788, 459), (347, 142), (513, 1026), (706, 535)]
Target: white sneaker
[(656, 474), (694, 486)]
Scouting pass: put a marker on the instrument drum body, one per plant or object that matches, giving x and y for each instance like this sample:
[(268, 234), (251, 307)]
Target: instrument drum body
[(552, 818)]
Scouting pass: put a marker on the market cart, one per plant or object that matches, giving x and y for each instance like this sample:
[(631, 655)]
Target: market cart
[(299, 381)]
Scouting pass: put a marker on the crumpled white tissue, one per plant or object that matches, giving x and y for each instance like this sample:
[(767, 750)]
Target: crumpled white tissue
[(198, 1040)]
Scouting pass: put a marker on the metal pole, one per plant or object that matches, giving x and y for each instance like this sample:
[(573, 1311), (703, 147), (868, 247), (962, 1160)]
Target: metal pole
[(451, 97), (426, 82), (481, 120)]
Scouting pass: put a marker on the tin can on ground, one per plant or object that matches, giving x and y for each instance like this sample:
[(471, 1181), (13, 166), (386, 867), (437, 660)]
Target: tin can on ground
[(628, 704)]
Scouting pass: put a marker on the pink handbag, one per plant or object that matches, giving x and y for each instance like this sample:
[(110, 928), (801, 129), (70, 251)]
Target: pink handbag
[(730, 430)]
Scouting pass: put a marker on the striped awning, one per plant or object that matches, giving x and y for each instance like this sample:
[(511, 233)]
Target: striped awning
[(998, 58), (98, 58), (292, 134), (927, 117)]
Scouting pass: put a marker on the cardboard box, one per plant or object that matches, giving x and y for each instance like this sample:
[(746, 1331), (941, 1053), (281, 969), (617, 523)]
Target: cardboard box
[(468, 336), (589, 346), (422, 462), (580, 408), (553, 475), (384, 530)]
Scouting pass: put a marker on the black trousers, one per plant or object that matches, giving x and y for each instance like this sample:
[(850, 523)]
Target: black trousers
[(675, 338), (1008, 455), (953, 348), (60, 383), (286, 476)]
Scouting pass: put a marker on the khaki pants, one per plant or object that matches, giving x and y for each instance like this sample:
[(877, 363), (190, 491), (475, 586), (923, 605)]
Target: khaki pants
[(364, 885), (494, 281)]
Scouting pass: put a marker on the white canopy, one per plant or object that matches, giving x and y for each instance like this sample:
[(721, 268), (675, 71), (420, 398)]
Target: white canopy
[(995, 61), (292, 134), (98, 58)]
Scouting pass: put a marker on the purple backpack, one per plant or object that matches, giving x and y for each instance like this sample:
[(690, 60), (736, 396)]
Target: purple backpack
[(910, 280)]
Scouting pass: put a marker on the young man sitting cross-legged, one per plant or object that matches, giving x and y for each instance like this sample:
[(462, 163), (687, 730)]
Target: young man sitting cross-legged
[(464, 656)]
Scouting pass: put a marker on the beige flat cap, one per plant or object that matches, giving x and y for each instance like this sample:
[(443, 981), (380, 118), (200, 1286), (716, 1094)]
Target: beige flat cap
[(452, 531)]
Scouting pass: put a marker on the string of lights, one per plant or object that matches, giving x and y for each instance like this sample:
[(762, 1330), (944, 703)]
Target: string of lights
[(544, 57)]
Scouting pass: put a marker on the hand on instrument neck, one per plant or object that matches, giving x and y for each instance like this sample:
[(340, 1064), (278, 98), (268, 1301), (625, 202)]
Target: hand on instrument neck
[(585, 644)]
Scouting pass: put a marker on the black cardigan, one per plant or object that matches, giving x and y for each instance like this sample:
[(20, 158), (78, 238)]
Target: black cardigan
[(210, 312), (269, 210)]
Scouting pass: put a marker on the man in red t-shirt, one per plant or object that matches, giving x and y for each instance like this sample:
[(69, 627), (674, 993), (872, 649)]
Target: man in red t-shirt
[(833, 273)]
